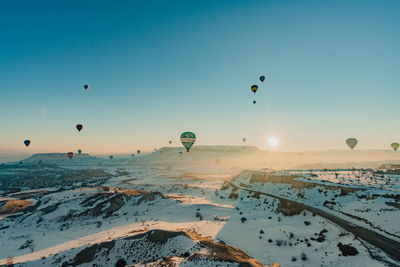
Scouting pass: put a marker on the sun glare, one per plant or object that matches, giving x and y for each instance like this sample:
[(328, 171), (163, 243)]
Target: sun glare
[(273, 141)]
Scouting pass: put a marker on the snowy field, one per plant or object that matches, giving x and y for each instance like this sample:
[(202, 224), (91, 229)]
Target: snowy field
[(120, 216)]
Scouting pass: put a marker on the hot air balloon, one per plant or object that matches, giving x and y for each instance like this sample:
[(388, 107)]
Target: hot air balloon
[(170, 142), (254, 88), (188, 139), (111, 157), (138, 152), (70, 155), (244, 139), (86, 87), (132, 155), (27, 142), (395, 146), (180, 153), (262, 78), (254, 102), (79, 127), (351, 142), (79, 151)]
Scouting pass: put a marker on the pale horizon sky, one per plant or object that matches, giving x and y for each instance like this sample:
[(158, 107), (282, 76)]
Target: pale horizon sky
[(158, 68)]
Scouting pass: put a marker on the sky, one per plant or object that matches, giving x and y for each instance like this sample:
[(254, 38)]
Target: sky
[(158, 68)]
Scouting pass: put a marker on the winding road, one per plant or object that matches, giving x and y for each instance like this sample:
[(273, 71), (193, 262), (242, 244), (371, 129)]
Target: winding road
[(390, 246)]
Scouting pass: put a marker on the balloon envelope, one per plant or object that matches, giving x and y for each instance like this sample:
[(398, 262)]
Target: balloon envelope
[(170, 142), (188, 139), (70, 155), (262, 78), (86, 86), (111, 157), (79, 151), (254, 88), (395, 146), (244, 139), (79, 127), (27, 142), (351, 142), (138, 152), (254, 102)]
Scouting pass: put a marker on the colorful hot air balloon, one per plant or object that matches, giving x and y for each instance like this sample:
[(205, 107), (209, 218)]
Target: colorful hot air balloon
[(111, 157), (138, 151), (27, 142), (395, 146), (351, 142), (70, 155), (79, 127), (254, 88), (79, 151), (262, 78), (86, 87), (188, 139)]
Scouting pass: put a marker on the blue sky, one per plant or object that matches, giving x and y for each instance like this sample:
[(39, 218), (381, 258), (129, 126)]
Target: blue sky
[(157, 68)]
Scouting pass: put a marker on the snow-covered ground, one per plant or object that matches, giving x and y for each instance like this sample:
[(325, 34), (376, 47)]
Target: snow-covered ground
[(138, 199)]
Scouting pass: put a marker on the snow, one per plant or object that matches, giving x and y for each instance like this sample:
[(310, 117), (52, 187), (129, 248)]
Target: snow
[(188, 190)]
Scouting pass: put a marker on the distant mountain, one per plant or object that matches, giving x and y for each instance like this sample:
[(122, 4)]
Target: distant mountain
[(54, 158)]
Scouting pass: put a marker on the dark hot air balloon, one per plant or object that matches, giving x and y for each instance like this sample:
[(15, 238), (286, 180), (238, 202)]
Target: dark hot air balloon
[(254, 88), (70, 155), (351, 142), (262, 78), (27, 142), (79, 127)]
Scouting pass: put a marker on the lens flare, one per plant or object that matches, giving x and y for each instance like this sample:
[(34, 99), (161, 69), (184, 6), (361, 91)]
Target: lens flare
[(273, 141)]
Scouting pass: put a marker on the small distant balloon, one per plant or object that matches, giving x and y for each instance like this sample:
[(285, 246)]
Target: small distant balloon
[(395, 146), (188, 139), (170, 142), (138, 151), (132, 155), (262, 78), (79, 151), (254, 102), (70, 155), (27, 142), (180, 153), (351, 142), (254, 88), (86, 87), (244, 139), (79, 127), (111, 157)]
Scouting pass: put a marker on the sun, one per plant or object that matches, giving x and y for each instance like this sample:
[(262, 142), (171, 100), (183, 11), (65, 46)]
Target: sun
[(273, 141)]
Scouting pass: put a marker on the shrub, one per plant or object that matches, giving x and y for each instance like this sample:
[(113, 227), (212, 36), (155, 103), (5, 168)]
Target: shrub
[(120, 263), (303, 256)]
